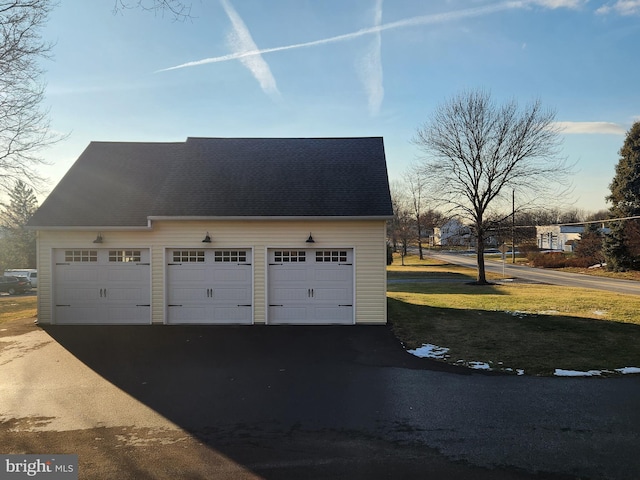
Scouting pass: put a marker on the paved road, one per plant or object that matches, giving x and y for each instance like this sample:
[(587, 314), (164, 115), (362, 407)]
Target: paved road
[(299, 402), (544, 276)]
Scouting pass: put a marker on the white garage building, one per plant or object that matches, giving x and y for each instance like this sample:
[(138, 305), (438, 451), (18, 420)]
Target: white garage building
[(217, 231)]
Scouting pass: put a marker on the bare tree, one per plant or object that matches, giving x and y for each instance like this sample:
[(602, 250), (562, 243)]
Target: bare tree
[(400, 227), (177, 9), (24, 123), (477, 152), (416, 190)]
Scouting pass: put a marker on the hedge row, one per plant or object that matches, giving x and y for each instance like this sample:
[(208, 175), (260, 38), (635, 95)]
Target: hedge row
[(560, 260)]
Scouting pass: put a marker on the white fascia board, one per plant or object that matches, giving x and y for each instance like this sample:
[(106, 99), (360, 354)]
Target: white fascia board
[(102, 228), (264, 218)]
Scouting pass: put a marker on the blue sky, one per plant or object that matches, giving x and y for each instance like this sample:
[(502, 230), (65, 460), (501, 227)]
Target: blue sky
[(334, 68)]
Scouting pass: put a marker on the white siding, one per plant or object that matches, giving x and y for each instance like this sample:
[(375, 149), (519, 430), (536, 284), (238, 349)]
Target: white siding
[(366, 237)]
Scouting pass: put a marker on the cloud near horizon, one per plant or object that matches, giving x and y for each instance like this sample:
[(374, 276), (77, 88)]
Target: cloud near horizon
[(553, 4), (621, 7), (602, 128)]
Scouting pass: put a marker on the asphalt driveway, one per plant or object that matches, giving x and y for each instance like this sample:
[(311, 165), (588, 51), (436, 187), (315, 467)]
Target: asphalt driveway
[(298, 402)]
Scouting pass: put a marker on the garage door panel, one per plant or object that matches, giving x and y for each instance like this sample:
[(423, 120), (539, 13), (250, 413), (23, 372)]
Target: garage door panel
[(336, 274), (338, 315), (288, 273), (132, 275), (332, 294), (238, 274), (77, 294), (179, 295), (282, 314), (187, 275), (232, 314), (289, 294), (316, 288), (187, 314), (102, 286), (78, 315), (234, 295), (131, 296), (212, 285), (70, 275), (129, 315)]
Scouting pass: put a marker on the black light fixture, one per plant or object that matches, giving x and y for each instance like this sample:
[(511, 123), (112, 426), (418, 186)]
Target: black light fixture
[(310, 239), (207, 238), (98, 239)]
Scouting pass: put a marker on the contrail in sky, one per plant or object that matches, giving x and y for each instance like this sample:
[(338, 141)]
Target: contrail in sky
[(241, 42), (370, 66), (409, 22)]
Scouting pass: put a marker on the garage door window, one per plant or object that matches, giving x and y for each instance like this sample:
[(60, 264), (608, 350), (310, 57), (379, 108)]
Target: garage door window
[(124, 255), (188, 256), (81, 256), (289, 256), (230, 256), (331, 256)]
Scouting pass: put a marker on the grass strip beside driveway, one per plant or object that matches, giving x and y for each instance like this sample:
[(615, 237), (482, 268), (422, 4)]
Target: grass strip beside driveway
[(14, 307), (538, 328)]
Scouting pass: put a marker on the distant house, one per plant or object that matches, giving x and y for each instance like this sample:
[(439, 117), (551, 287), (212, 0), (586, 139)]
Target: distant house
[(217, 231), (560, 237), (452, 234)]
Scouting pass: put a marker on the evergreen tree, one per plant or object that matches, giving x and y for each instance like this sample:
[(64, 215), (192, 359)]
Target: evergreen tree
[(625, 202), (17, 244), (589, 248)]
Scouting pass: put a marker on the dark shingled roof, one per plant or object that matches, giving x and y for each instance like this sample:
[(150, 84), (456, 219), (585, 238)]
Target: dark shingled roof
[(122, 184)]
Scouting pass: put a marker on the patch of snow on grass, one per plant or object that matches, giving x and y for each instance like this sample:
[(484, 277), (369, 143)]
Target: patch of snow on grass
[(548, 312), (559, 372), (595, 373), (628, 370), (427, 350), (599, 312), (479, 365)]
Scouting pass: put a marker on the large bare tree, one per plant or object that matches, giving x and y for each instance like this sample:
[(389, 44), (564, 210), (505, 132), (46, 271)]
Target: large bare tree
[(175, 8), (24, 123), (477, 152)]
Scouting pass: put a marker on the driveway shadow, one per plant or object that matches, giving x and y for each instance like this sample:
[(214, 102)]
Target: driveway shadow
[(199, 376), (284, 402)]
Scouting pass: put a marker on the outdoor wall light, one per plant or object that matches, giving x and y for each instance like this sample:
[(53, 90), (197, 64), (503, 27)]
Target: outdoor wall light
[(98, 239), (310, 239), (207, 238)]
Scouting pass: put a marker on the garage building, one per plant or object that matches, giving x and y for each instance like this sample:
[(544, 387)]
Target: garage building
[(217, 231)]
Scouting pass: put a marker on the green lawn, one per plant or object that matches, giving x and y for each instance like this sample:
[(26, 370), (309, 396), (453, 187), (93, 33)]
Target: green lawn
[(537, 328)]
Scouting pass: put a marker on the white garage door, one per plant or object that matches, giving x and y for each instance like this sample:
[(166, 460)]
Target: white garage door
[(209, 286), (102, 286), (311, 286)]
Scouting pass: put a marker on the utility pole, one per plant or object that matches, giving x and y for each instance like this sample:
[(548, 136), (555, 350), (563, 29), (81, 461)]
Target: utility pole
[(513, 226)]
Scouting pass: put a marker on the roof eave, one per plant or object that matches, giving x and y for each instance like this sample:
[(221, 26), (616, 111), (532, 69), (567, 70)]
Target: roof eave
[(194, 218), (271, 218)]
